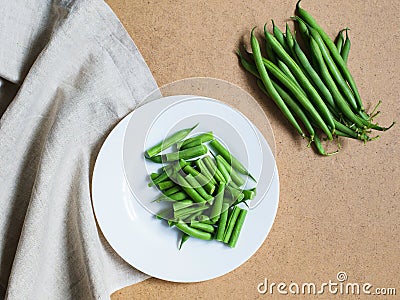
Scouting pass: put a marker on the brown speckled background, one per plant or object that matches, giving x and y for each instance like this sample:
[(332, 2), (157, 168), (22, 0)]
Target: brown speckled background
[(335, 214)]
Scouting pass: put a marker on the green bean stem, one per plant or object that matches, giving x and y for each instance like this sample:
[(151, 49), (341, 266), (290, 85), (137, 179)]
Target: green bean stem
[(346, 48), (340, 41)]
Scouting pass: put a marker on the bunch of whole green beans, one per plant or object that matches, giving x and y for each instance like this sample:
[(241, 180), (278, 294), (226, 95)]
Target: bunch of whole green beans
[(203, 191), (312, 87)]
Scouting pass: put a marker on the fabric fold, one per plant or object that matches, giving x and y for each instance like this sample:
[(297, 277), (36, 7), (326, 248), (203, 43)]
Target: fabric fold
[(87, 76)]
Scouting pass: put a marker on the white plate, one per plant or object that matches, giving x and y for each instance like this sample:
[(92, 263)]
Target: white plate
[(131, 229)]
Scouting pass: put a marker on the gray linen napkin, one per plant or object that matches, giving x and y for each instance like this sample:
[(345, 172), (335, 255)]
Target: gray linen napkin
[(77, 73)]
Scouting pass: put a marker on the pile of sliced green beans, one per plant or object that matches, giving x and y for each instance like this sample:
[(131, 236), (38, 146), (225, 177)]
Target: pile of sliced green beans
[(203, 191), (313, 87)]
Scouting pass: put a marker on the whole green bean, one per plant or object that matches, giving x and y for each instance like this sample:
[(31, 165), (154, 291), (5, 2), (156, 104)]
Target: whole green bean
[(191, 192), (202, 226), (279, 36), (335, 53), (169, 141), (267, 82), (222, 222), (341, 82), (284, 68), (346, 48), (217, 206), (198, 139), (299, 94), (302, 78), (297, 110), (203, 180), (231, 223), (340, 40), (238, 228), (187, 153), (341, 103), (314, 75), (182, 226)]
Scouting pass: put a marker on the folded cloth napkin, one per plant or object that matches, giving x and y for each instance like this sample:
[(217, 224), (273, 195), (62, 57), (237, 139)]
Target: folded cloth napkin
[(76, 73)]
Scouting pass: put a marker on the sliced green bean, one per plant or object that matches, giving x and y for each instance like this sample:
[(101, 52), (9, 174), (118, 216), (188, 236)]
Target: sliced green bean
[(182, 204), (303, 80), (187, 153), (166, 184), (217, 206), (169, 141), (182, 226), (179, 196), (193, 183), (212, 167), (237, 228), (231, 223), (233, 161), (202, 226), (172, 190), (184, 212), (222, 222), (308, 18), (198, 139), (154, 176), (191, 192), (166, 213), (248, 194), (204, 170), (205, 219), (271, 90), (222, 169), (203, 180), (235, 176)]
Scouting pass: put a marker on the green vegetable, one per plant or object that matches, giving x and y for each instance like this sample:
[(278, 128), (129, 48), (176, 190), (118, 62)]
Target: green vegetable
[(222, 222), (237, 228), (182, 226), (184, 212), (232, 172), (187, 153), (217, 206), (195, 141), (184, 238), (231, 223), (340, 40), (212, 168), (193, 183), (346, 48), (189, 190), (168, 142), (166, 184), (202, 226), (202, 180), (182, 204)]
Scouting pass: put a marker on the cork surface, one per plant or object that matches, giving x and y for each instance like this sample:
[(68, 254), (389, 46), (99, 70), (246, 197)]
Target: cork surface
[(336, 214)]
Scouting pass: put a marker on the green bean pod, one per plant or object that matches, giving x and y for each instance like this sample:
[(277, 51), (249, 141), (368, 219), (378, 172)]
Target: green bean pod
[(203, 180), (222, 169), (284, 68), (193, 183), (314, 75), (346, 48), (341, 82), (332, 48), (279, 36), (303, 80), (187, 153), (231, 223), (166, 184), (202, 226), (217, 206), (169, 141), (212, 167), (222, 222), (182, 226), (237, 228), (204, 170), (182, 204), (196, 140), (237, 179), (191, 192), (267, 82), (233, 161), (340, 41), (184, 212)]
